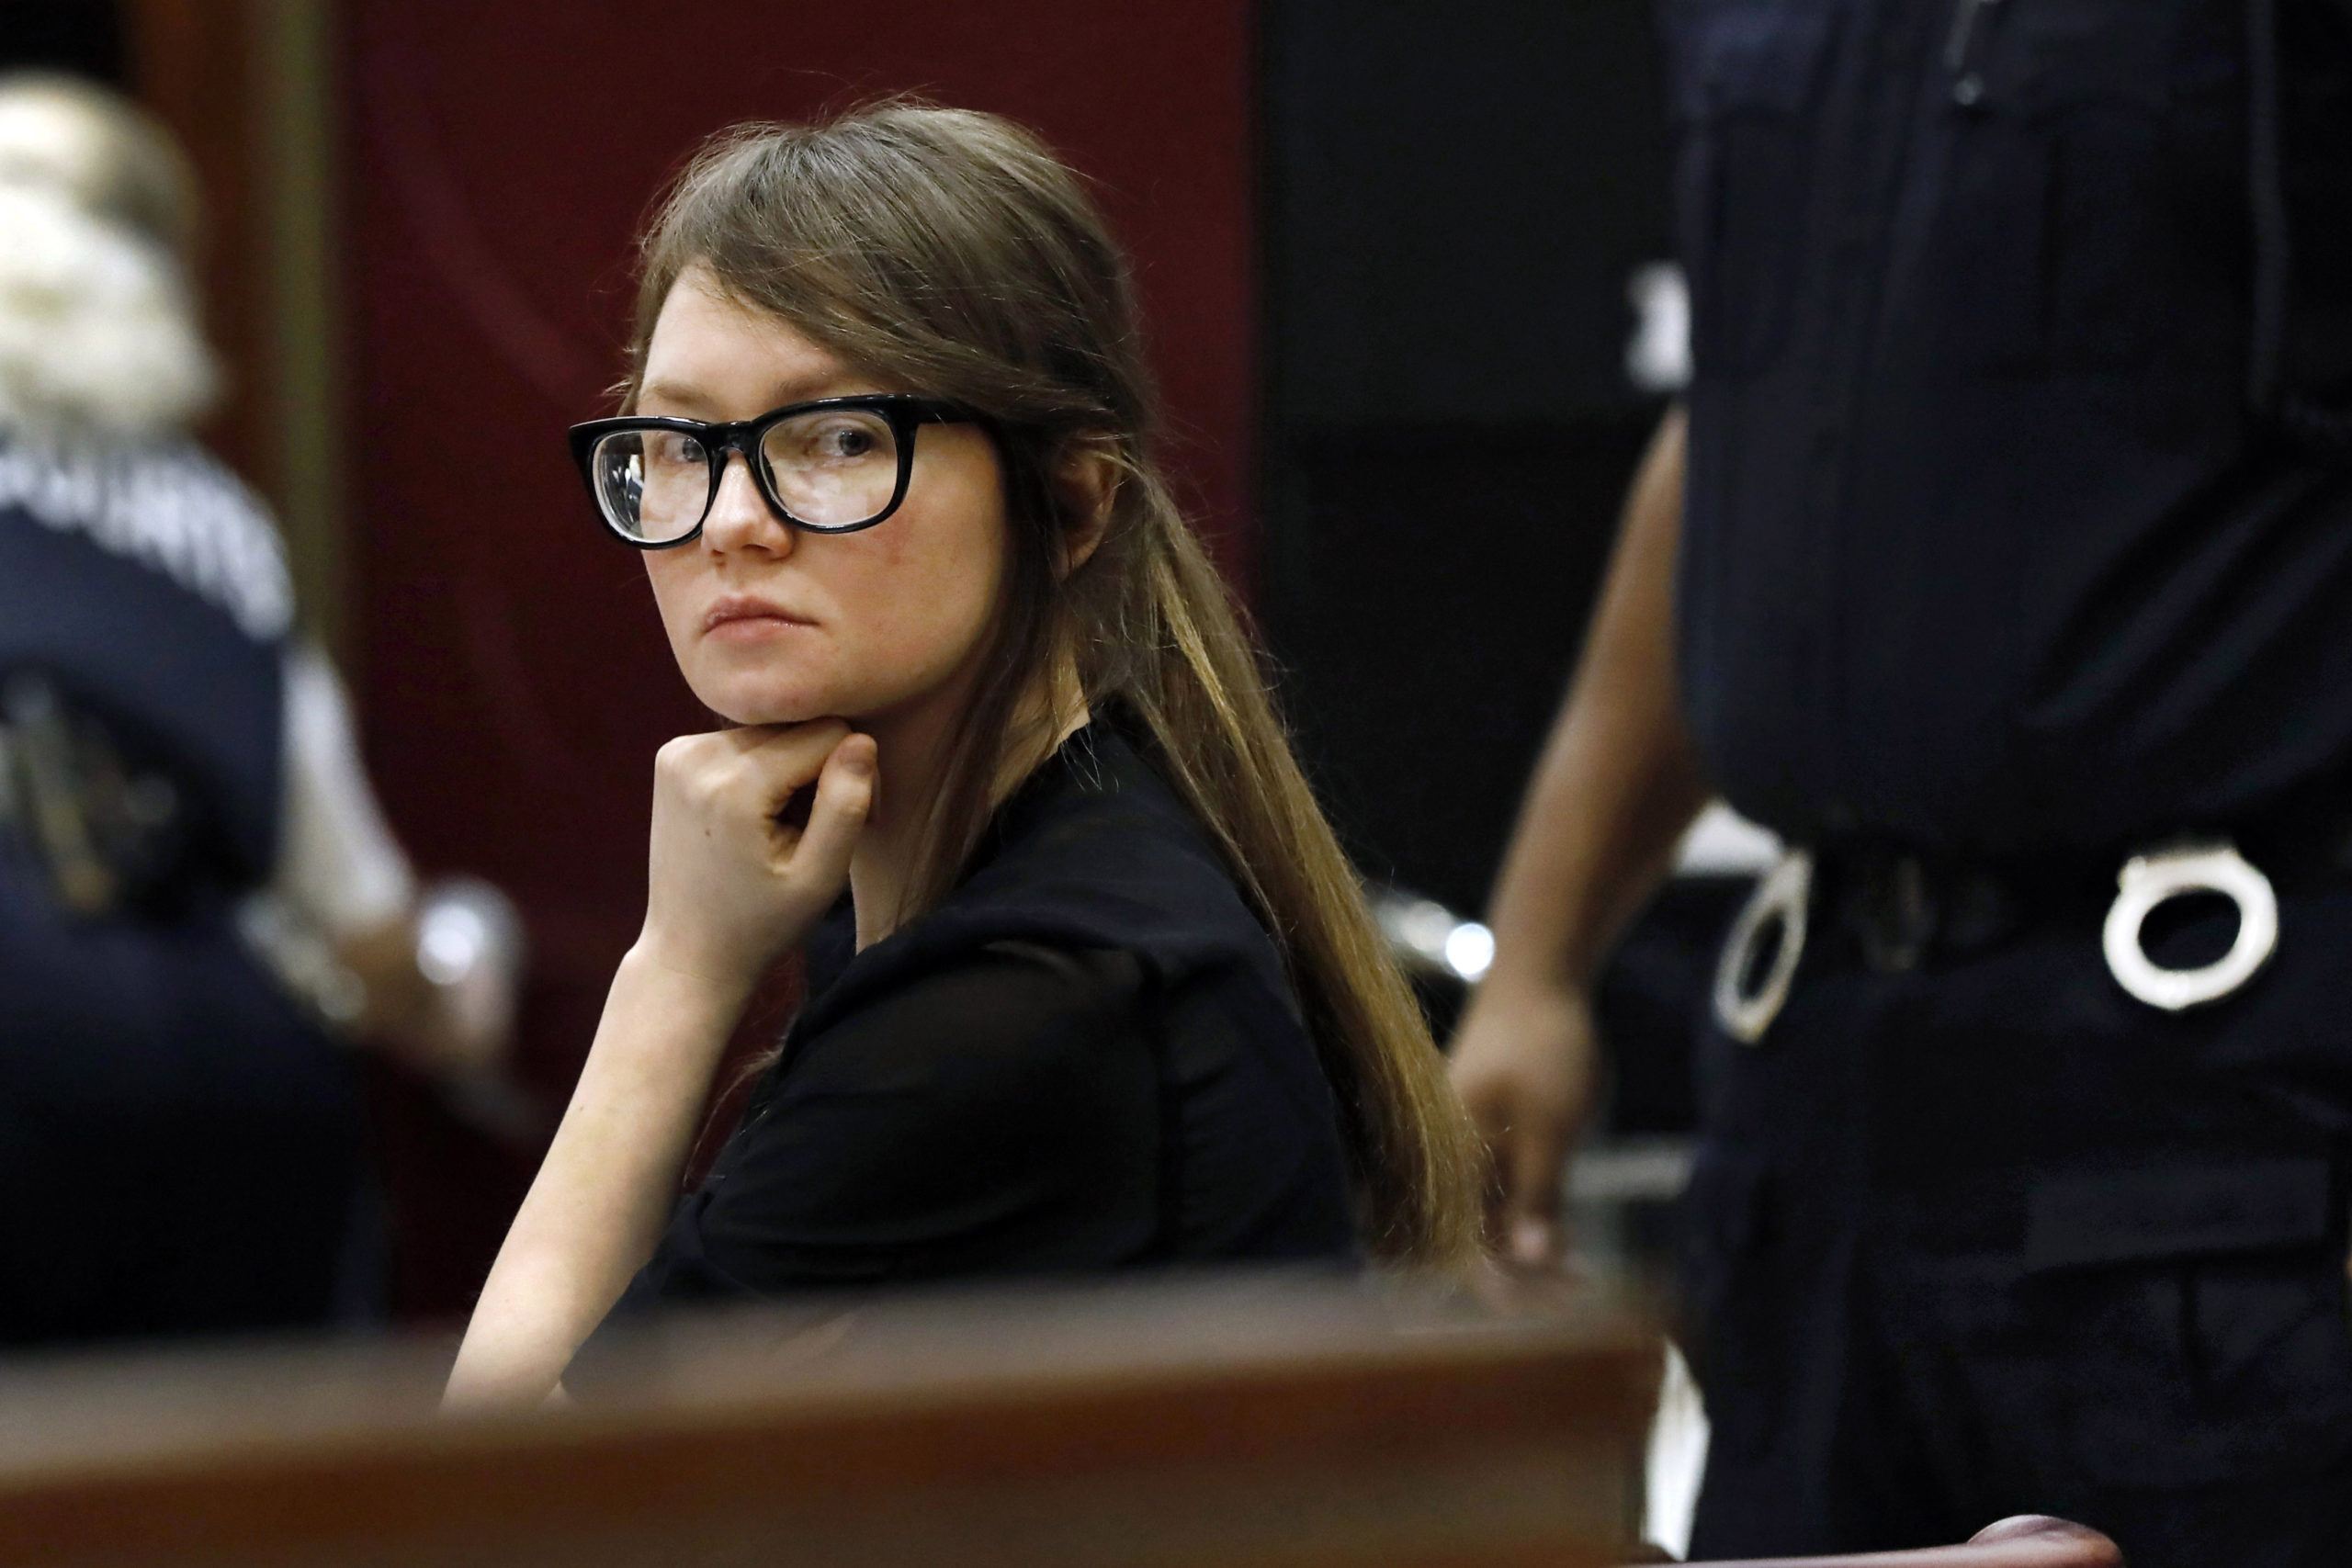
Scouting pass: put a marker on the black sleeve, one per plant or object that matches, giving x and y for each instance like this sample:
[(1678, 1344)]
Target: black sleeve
[(1000, 1117)]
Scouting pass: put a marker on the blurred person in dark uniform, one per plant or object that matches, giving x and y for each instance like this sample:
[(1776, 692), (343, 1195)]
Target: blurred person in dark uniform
[(2002, 563), (199, 902)]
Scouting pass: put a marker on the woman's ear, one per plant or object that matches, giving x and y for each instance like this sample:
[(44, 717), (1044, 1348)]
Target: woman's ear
[(1087, 479)]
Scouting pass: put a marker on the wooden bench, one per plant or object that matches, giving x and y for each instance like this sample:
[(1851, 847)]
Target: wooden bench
[(1243, 1421)]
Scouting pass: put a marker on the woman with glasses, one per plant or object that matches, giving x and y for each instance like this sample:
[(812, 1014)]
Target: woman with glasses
[(1103, 993)]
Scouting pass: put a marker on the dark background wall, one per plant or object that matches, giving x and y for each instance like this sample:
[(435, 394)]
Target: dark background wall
[(49, 36), (1453, 199)]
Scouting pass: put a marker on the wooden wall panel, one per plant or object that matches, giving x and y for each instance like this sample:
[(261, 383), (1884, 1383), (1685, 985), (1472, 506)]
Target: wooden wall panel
[(247, 86)]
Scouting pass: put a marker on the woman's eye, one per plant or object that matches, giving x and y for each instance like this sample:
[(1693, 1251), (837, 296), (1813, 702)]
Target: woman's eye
[(834, 443), (669, 448), (846, 441)]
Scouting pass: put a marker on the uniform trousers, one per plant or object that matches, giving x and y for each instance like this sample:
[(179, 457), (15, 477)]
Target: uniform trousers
[(1987, 1236), (181, 1151)]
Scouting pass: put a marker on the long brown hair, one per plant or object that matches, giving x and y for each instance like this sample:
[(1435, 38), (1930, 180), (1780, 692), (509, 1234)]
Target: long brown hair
[(950, 253)]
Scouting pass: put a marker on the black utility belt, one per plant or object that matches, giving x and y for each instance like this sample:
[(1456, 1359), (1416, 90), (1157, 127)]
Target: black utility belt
[(1897, 909)]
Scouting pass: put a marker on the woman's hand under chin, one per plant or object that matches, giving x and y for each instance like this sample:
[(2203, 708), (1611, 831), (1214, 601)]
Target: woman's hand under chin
[(737, 877), (736, 873)]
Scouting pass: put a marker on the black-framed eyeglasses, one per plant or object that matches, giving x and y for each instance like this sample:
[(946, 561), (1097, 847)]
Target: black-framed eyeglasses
[(832, 466)]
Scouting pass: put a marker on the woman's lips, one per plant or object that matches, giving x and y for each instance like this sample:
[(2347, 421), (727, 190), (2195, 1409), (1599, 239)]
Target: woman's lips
[(740, 618)]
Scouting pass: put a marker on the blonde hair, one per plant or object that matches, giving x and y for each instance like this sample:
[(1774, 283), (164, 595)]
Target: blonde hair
[(950, 253), (99, 329)]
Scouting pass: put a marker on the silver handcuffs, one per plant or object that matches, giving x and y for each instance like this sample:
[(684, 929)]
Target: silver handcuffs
[(1745, 1002), (2174, 871), (1780, 900)]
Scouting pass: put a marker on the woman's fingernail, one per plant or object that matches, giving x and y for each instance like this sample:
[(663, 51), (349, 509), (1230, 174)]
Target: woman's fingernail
[(1531, 1243)]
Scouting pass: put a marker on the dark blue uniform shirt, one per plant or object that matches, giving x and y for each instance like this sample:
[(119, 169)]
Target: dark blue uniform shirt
[(1985, 546), (180, 1146)]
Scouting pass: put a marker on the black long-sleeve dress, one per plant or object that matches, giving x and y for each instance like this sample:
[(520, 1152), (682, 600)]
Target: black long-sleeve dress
[(1087, 1058)]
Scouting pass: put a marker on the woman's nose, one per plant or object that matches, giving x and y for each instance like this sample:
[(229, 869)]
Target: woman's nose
[(738, 517)]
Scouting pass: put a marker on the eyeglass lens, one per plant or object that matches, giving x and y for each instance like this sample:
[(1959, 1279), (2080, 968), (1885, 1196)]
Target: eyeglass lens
[(830, 467)]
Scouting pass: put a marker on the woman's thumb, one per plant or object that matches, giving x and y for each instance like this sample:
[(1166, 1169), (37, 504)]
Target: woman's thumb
[(845, 797)]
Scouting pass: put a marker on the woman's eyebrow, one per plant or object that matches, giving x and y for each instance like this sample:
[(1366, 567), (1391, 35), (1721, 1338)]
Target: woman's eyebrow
[(692, 402), (688, 399), (810, 389)]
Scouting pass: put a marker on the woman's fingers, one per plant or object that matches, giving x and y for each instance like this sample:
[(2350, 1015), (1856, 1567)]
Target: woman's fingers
[(779, 769), (777, 762), (737, 870)]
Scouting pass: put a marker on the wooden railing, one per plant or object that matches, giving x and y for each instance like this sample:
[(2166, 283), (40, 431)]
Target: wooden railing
[(1241, 1422)]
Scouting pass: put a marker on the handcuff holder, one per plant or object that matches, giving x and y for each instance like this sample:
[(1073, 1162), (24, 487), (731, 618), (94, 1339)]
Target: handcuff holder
[(1747, 1002)]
